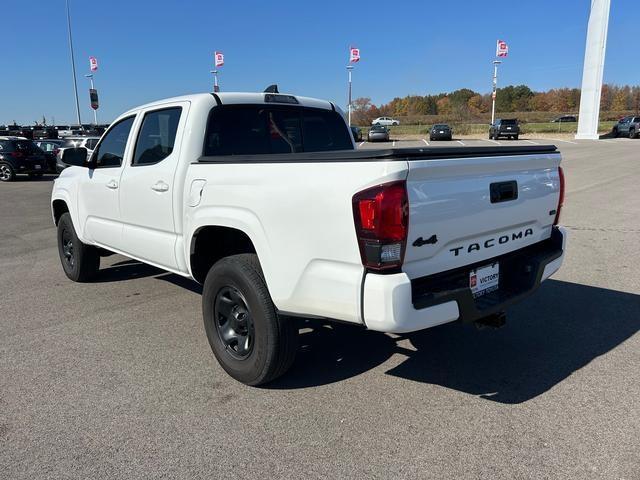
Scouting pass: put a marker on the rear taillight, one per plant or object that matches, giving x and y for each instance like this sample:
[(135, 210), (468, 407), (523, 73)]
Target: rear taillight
[(17, 154), (381, 216), (561, 197)]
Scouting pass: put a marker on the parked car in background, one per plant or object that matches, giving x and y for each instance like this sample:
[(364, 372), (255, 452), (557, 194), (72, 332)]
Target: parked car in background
[(440, 131), (20, 156), (627, 127), (357, 133), (69, 130), (386, 121), (565, 118), (73, 142), (50, 149), (504, 127), (378, 133)]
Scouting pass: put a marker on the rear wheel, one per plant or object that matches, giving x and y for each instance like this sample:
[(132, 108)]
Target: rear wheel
[(80, 262), (6, 172), (250, 340), (614, 132), (516, 137)]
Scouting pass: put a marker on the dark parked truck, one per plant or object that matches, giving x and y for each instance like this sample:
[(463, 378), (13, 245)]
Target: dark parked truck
[(504, 127), (627, 127)]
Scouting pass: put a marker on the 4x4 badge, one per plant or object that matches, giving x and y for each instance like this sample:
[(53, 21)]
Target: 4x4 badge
[(429, 241)]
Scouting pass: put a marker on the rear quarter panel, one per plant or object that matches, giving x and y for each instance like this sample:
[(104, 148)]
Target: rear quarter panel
[(300, 220)]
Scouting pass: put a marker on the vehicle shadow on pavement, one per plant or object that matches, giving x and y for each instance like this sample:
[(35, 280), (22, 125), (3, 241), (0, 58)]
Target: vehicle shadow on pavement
[(132, 269), (557, 331)]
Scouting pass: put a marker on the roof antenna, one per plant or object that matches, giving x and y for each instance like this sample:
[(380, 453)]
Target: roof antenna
[(271, 89)]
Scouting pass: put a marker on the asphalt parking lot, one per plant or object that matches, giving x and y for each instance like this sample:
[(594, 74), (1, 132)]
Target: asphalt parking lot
[(115, 379)]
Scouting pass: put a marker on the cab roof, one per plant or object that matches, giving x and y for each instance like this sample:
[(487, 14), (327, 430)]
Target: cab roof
[(239, 98)]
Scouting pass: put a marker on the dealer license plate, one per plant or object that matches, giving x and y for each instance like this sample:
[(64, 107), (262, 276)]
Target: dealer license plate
[(441, 131), (484, 279)]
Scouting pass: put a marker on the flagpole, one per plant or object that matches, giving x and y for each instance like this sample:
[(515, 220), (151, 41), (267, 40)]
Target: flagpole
[(494, 90), (216, 87), (349, 69), (73, 66)]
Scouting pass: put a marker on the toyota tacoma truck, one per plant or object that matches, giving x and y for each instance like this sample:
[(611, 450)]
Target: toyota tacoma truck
[(264, 199)]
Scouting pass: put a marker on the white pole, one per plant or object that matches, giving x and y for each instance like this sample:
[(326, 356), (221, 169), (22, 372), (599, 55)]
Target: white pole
[(216, 87), (593, 69), (349, 69), (494, 90)]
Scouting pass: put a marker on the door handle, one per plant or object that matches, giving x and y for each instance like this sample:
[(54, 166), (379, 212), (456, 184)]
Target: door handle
[(160, 187), (112, 184)]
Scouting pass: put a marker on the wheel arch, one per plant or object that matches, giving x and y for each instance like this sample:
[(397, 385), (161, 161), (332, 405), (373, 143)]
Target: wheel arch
[(210, 243)]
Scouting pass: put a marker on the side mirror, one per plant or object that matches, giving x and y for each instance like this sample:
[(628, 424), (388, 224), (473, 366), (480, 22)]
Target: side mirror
[(75, 156)]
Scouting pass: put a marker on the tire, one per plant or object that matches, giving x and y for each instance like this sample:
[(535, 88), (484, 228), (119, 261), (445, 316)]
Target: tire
[(7, 174), (258, 345), (632, 133), (516, 137), (80, 262), (614, 132)]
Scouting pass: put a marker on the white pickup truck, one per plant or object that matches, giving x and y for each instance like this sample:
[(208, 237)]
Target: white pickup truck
[(263, 198)]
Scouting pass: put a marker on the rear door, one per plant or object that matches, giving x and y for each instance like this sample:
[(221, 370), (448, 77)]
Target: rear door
[(147, 196), (454, 221)]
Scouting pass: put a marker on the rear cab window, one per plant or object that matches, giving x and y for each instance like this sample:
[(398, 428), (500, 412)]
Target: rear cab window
[(157, 136), (274, 129)]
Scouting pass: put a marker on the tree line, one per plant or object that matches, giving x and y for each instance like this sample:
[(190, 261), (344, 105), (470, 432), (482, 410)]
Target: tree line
[(465, 104)]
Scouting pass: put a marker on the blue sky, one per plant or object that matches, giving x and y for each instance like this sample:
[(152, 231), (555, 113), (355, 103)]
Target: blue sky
[(151, 49)]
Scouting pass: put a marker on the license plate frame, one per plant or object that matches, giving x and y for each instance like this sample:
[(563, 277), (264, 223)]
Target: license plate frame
[(485, 279)]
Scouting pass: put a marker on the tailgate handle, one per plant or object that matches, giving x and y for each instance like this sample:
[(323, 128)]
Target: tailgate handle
[(503, 191)]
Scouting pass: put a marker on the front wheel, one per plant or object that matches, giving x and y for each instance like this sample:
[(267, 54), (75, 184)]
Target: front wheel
[(80, 262), (252, 343), (614, 132), (632, 133), (6, 173)]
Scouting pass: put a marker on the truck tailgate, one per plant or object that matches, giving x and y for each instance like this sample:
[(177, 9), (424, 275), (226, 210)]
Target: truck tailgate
[(454, 220)]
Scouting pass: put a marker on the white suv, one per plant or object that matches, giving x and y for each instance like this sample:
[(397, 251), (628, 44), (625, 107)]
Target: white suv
[(386, 121)]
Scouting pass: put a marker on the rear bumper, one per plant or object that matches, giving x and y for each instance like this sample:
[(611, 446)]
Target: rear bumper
[(395, 303)]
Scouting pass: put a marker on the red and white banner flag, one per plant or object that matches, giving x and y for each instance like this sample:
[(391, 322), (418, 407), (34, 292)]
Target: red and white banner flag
[(354, 54), (93, 63), (502, 49), (219, 58)]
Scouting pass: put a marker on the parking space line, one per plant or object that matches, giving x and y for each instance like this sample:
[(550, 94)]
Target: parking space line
[(564, 141), (605, 140), (361, 143), (530, 141), (393, 144), (490, 140), (460, 142), (425, 141)]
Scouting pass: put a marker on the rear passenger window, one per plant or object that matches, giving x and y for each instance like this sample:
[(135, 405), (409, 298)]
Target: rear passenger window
[(157, 136), (265, 129)]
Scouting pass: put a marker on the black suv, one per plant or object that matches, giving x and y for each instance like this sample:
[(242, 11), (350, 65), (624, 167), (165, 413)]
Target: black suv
[(504, 127), (18, 156)]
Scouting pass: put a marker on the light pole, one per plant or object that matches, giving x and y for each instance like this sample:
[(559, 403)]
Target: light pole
[(349, 69), (95, 112), (73, 65), (216, 87), (495, 87)]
